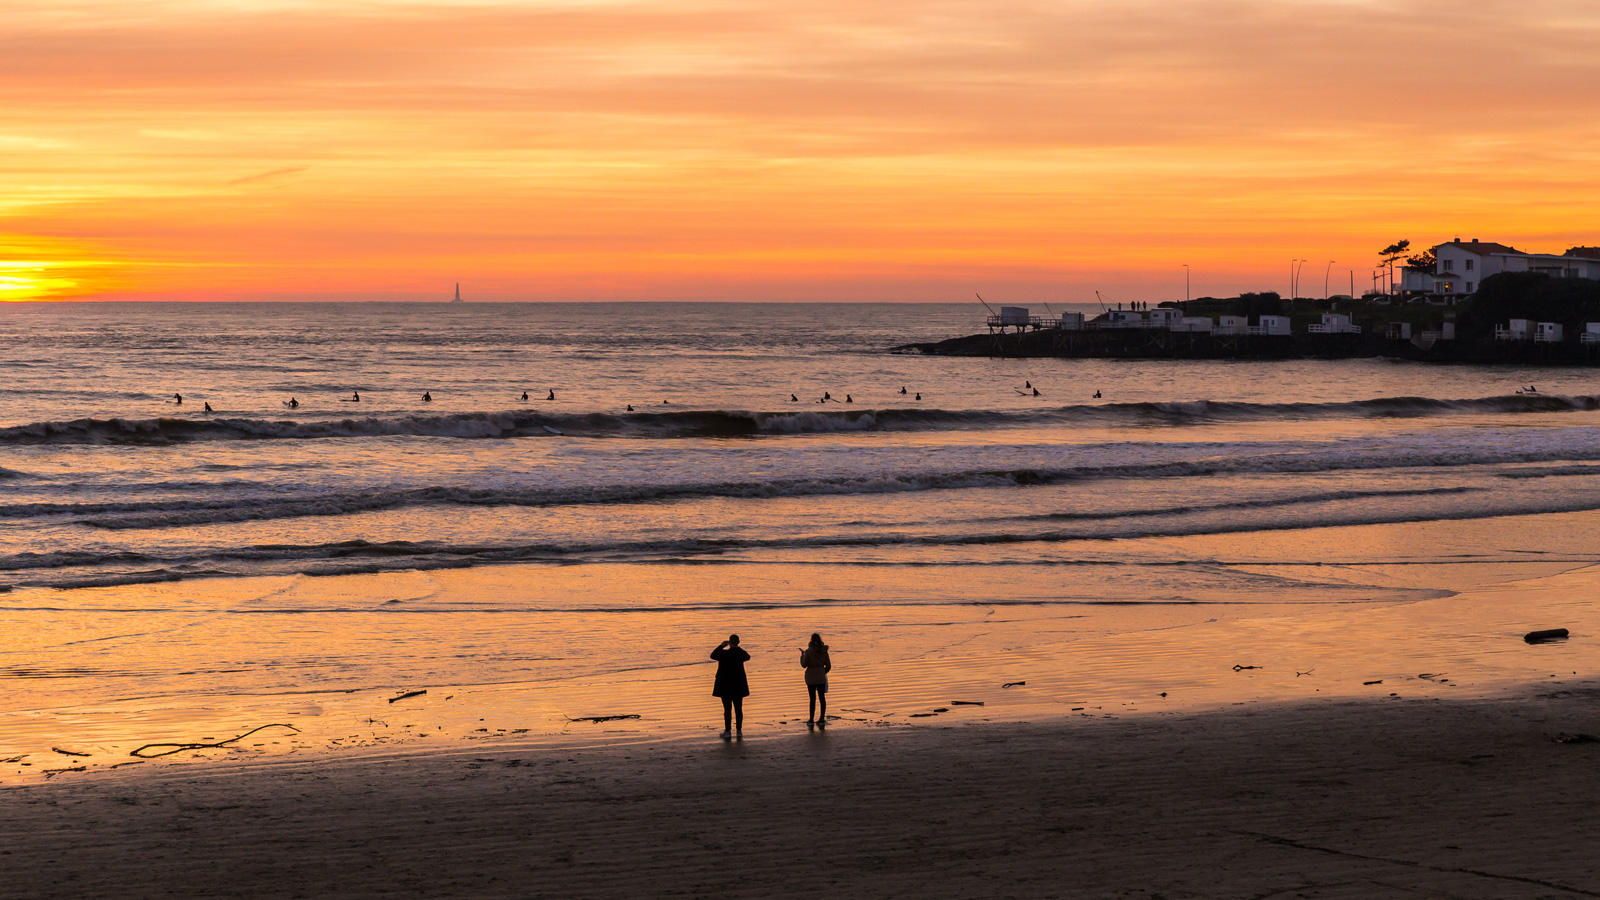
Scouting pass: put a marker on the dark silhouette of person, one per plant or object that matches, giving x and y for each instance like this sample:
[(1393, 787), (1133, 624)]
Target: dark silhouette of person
[(793, 399), (902, 389), (355, 396), (178, 398), (731, 684), (1097, 395), (427, 396), (293, 403), (919, 395), (849, 399), (826, 396), (815, 660), (1028, 385), (552, 396), (630, 407), (1036, 392), (524, 396), (208, 407)]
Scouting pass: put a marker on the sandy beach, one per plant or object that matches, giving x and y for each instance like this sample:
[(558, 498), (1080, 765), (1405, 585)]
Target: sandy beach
[(1393, 750), (1392, 797)]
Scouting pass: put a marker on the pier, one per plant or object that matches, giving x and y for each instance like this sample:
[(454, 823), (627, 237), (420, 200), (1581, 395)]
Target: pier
[(1166, 333)]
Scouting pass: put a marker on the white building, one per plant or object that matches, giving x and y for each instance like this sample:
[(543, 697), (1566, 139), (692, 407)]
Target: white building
[(1460, 266), (1517, 330), (1165, 317), (1334, 323), (1273, 325), (1232, 325)]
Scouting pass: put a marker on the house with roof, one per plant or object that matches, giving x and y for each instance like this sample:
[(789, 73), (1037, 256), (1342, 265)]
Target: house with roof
[(1460, 266)]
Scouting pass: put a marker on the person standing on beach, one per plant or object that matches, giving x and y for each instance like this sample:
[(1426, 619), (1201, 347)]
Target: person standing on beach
[(815, 660), (731, 684)]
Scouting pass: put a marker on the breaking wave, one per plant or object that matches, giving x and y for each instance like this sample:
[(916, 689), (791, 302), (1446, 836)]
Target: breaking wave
[(726, 423)]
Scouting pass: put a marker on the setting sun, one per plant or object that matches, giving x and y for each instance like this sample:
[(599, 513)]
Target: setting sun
[(789, 150)]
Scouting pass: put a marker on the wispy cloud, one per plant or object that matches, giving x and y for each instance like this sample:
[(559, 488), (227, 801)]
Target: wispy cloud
[(272, 175), (791, 148)]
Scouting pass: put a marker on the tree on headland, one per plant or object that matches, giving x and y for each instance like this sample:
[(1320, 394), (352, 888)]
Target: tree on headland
[(1389, 254), (1266, 303), (1424, 261)]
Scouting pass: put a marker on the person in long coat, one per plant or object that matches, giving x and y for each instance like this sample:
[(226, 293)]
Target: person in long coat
[(731, 684), (815, 660)]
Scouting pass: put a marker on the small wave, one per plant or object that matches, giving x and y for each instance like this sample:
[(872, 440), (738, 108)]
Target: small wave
[(132, 515), (734, 423), (360, 556)]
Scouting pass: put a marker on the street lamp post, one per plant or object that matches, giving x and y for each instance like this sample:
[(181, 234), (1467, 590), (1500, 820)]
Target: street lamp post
[(1185, 285), (1325, 275)]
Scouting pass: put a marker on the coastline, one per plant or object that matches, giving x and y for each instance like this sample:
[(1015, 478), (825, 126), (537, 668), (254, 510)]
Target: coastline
[(1142, 343), (1390, 797)]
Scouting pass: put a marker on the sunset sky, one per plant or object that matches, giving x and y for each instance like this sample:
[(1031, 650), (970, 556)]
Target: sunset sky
[(779, 150)]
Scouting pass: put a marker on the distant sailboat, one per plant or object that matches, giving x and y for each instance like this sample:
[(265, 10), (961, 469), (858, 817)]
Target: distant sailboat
[(458, 293)]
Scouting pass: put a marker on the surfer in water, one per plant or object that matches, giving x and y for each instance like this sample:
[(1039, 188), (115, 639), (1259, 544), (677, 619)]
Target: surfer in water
[(427, 396), (630, 407), (208, 407), (552, 396), (293, 403), (902, 389), (826, 396), (849, 399), (1036, 392), (178, 398), (793, 399), (1097, 395), (524, 396), (919, 395), (355, 396)]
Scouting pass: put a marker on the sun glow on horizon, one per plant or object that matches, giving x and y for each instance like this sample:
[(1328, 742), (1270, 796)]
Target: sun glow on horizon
[(711, 150)]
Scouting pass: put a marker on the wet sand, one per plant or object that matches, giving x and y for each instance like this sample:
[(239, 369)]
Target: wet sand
[(894, 665), (1380, 750), (1390, 797)]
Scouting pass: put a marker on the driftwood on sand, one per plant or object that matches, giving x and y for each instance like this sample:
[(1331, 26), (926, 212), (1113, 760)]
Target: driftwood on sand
[(179, 748)]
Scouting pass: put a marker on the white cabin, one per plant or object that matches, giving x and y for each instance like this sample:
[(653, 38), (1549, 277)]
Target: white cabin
[(1165, 317), (1274, 325), (1232, 325), (1070, 322), (1548, 333), (1591, 333), (1188, 324), (1014, 315), (1518, 330), (1334, 323), (1399, 331)]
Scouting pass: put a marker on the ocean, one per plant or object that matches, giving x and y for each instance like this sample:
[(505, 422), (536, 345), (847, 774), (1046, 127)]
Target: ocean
[(148, 542)]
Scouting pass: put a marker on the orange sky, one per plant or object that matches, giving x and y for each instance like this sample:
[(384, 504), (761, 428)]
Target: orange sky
[(788, 149)]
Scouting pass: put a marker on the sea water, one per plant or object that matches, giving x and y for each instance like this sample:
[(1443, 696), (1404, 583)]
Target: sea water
[(156, 550)]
